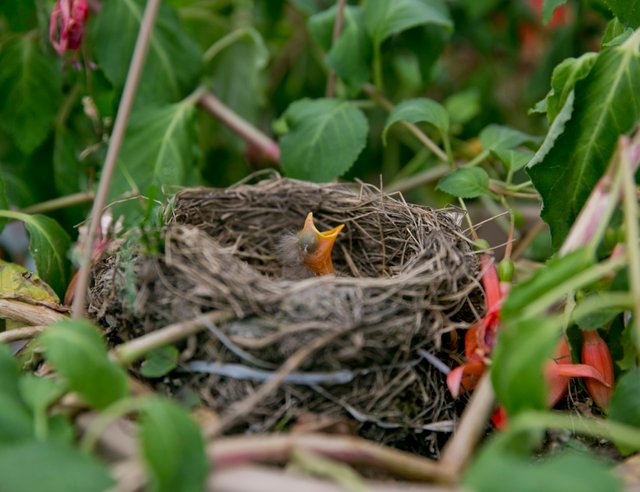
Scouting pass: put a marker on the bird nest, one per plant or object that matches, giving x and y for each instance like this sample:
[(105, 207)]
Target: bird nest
[(405, 276)]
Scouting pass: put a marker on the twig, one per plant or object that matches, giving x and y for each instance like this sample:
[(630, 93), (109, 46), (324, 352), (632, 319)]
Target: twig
[(419, 134), (244, 129), (28, 313), (631, 224), (337, 29), (524, 243), (128, 352), (58, 203), (115, 142), (227, 451), (243, 407), (410, 182), (459, 449), (499, 190), (24, 333)]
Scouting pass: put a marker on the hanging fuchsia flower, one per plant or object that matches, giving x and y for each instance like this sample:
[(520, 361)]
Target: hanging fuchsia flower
[(67, 24)]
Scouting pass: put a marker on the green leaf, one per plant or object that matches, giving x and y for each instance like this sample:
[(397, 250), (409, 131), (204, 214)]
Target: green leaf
[(20, 15), (625, 402), (499, 471), (384, 18), (548, 7), (514, 160), (418, 111), (628, 11), (78, 352), (16, 422), (351, 54), (173, 448), (60, 468), (466, 182), (570, 162), (463, 106), (546, 286), (30, 89), (40, 392), (174, 60), (517, 363), (68, 171), (158, 150), (159, 362), (325, 138), (48, 244), (564, 79), (4, 201), (496, 137)]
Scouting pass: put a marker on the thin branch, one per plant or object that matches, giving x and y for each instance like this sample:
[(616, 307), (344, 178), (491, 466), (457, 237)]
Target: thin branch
[(129, 352), (524, 243), (237, 124), (337, 29), (631, 224), (459, 449), (28, 313), (424, 177), (115, 142), (61, 202), (417, 132), (24, 333), (500, 190), (227, 451)]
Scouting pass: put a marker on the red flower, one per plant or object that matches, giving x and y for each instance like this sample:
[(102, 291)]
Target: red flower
[(67, 24)]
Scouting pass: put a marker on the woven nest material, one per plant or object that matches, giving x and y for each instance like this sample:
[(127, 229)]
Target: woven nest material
[(405, 275)]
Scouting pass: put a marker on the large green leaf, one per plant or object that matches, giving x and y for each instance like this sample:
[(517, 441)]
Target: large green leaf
[(158, 150), (78, 352), (628, 11), (569, 164), (418, 111), (325, 137), (384, 18), (466, 182), (516, 368), (625, 402), (173, 448), (15, 420), (48, 244), (564, 79), (495, 137), (30, 89), (503, 472), (174, 60), (60, 468), (351, 54)]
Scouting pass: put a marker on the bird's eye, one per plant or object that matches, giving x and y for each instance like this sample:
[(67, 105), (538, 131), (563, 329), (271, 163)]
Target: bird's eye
[(307, 242)]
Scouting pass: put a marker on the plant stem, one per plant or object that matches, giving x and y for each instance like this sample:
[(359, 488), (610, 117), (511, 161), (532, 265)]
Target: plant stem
[(129, 352), (427, 176), (244, 129), (115, 142), (377, 66), (337, 29), (631, 224), (23, 333), (61, 202), (377, 96), (459, 449), (107, 417)]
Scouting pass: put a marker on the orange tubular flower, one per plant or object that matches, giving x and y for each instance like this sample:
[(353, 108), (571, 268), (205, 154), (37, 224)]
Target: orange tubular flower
[(595, 353)]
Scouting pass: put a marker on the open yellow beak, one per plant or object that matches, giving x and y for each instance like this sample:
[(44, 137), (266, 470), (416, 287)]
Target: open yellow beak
[(316, 246)]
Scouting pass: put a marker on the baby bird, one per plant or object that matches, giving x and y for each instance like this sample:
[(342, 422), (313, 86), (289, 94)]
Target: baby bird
[(308, 252)]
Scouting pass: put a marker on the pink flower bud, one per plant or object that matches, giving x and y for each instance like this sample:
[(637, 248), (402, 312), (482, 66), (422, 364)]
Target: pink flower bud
[(67, 25)]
